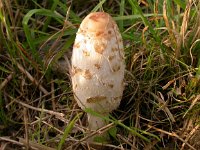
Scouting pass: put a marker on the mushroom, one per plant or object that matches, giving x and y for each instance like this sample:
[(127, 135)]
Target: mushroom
[(98, 67)]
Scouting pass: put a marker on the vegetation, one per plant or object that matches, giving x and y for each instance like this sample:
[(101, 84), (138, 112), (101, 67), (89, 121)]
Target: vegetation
[(160, 106)]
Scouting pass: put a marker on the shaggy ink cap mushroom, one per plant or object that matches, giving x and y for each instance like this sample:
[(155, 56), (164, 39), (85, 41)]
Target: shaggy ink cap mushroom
[(98, 66)]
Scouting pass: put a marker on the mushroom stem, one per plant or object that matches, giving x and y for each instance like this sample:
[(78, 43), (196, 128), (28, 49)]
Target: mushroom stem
[(95, 123)]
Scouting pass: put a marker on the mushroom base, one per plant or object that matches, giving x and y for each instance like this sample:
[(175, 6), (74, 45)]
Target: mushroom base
[(95, 123)]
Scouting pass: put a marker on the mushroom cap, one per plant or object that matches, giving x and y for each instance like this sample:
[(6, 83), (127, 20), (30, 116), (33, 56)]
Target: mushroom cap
[(98, 64)]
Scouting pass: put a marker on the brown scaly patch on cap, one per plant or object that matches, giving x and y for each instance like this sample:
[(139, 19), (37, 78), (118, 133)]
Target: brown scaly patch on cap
[(116, 68), (96, 99), (99, 33), (87, 74), (99, 48), (76, 45), (114, 49), (86, 53), (97, 66), (110, 58), (76, 70), (110, 85), (97, 23)]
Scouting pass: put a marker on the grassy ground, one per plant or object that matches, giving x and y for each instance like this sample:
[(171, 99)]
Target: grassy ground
[(160, 106)]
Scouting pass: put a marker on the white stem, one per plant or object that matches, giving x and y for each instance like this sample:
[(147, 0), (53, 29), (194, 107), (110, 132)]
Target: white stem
[(95, 123)]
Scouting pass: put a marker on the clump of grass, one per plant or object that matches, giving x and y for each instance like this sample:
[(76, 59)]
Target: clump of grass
[(160, 107)]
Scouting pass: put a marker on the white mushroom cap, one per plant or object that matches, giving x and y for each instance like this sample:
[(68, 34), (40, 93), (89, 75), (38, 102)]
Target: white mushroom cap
[(98, 64)]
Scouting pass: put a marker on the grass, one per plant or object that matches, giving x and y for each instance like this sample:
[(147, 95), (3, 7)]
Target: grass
[(160, 105)]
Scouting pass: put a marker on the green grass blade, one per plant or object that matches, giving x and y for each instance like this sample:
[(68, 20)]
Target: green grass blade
[(4, 70), (198, 69), (27, 30), (121, 22), (145, 21), (117, 122), (53, 7), (150, 4), (72, 15), (99, 6), (3, 118), (181, 3), (134, 17), (147, 24), (41, 39), (65, 48), (67, 131)]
